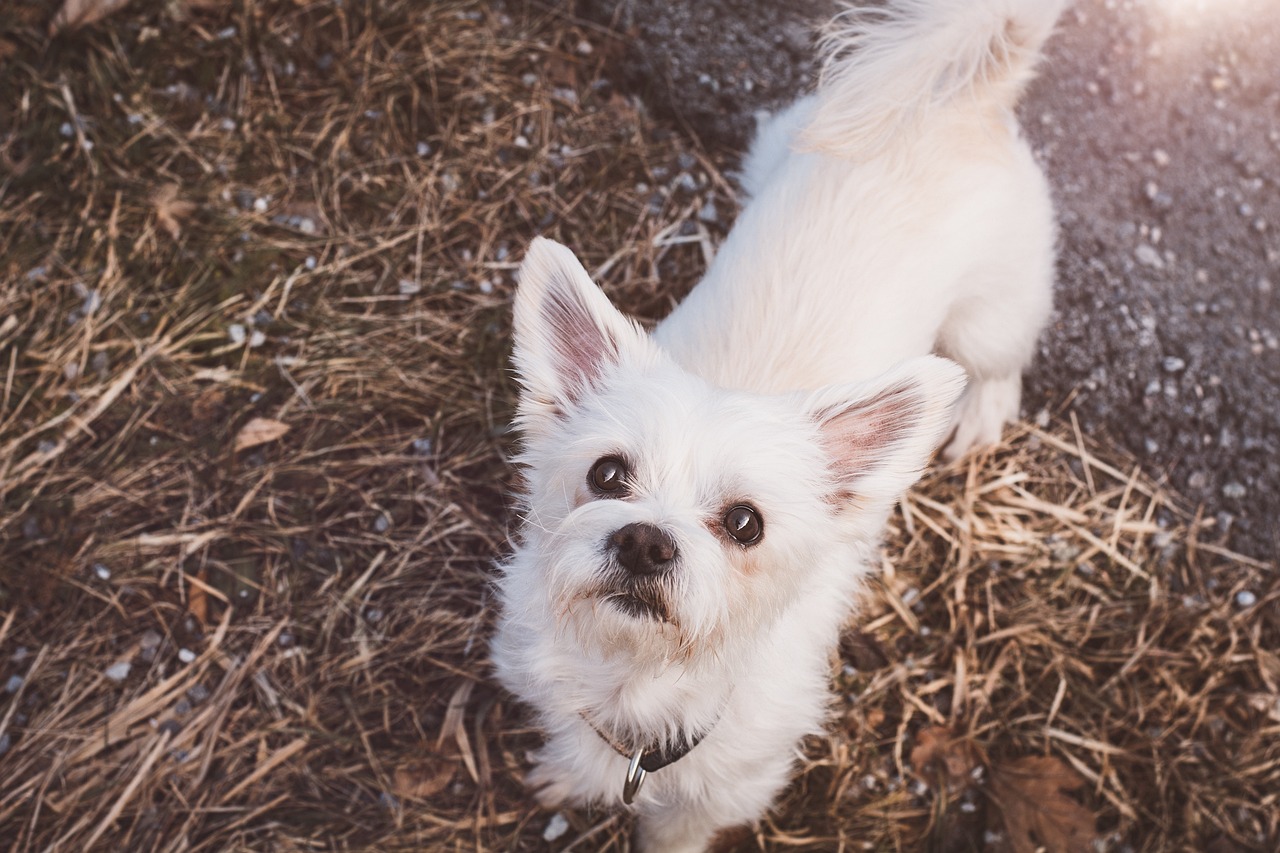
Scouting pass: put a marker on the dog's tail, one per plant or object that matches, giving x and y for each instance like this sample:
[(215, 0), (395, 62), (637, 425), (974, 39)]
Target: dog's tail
[(887, 67)]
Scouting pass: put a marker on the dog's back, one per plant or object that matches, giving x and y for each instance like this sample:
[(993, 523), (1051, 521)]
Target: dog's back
[(895, 212)]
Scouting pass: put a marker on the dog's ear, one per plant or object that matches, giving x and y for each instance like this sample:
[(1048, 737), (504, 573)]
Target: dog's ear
[(567, 333), (880, 434)]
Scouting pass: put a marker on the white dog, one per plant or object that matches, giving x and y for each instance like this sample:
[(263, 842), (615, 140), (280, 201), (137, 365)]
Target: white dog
[(702, 503)]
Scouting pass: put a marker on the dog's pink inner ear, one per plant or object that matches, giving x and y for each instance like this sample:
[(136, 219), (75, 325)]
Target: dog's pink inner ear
[(582, 348), (861, 437)]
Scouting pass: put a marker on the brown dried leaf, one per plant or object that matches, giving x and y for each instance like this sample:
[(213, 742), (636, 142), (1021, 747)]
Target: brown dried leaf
[(170, 210), (75, 14), (259, 431), (863, 651), (1031, 794), (1269, 668), (939, 756), (424, 778), (198, 599)]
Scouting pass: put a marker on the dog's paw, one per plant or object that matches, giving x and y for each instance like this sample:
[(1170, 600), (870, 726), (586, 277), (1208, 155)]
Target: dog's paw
[(981, 414)]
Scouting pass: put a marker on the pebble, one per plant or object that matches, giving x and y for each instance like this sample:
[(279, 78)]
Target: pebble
[(101, 571), (1245, 598), (197, 694), (150, 639), (1173, 364), (423, 446), (382, 524), (708, 213), (186, 655), (1148, 256), (556, 827), (408, 287), (13, 685), (118, 671), (237, 333), (1234, 491), (257, 338)]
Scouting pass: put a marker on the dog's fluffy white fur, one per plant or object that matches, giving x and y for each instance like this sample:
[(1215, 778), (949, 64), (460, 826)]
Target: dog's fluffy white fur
[(895, 214)]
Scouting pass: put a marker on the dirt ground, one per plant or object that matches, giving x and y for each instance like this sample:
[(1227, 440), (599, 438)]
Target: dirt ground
[(1158, 122)]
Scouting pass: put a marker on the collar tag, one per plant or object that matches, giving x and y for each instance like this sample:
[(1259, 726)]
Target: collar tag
[(634, 779)]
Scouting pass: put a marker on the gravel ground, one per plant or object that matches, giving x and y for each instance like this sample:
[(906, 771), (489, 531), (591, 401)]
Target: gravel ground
[(1159, 125)]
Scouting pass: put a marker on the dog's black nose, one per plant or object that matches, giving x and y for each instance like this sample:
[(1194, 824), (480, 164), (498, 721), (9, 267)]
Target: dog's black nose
[(643, 549)]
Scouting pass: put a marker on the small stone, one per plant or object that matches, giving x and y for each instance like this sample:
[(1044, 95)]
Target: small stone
[(310, 262), (1148, 256), (423, 446), (150, 639), (1173, 364), (260, 205), (373, 614), (118, 671), (197, 694), (102, 572), (408, 287), (556, 827), (1234, 491), (66, 130), (708, 213), (257, 338), (13, 685), (186, 655), (382, 524), (170, 727), (1245, 598), (1161, 157), (237, 333)]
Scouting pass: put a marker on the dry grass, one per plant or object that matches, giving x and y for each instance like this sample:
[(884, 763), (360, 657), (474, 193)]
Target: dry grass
[(309, 215)]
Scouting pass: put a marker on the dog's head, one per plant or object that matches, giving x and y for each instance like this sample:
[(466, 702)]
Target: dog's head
[(665, 513)]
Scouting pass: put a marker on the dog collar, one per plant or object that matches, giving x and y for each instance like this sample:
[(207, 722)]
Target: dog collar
[(643, 761)]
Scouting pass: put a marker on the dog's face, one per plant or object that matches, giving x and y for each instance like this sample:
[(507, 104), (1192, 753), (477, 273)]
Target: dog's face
[(665, 513)]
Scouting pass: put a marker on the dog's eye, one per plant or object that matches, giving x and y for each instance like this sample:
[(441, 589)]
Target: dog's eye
[(608, 476), (744, 524)]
